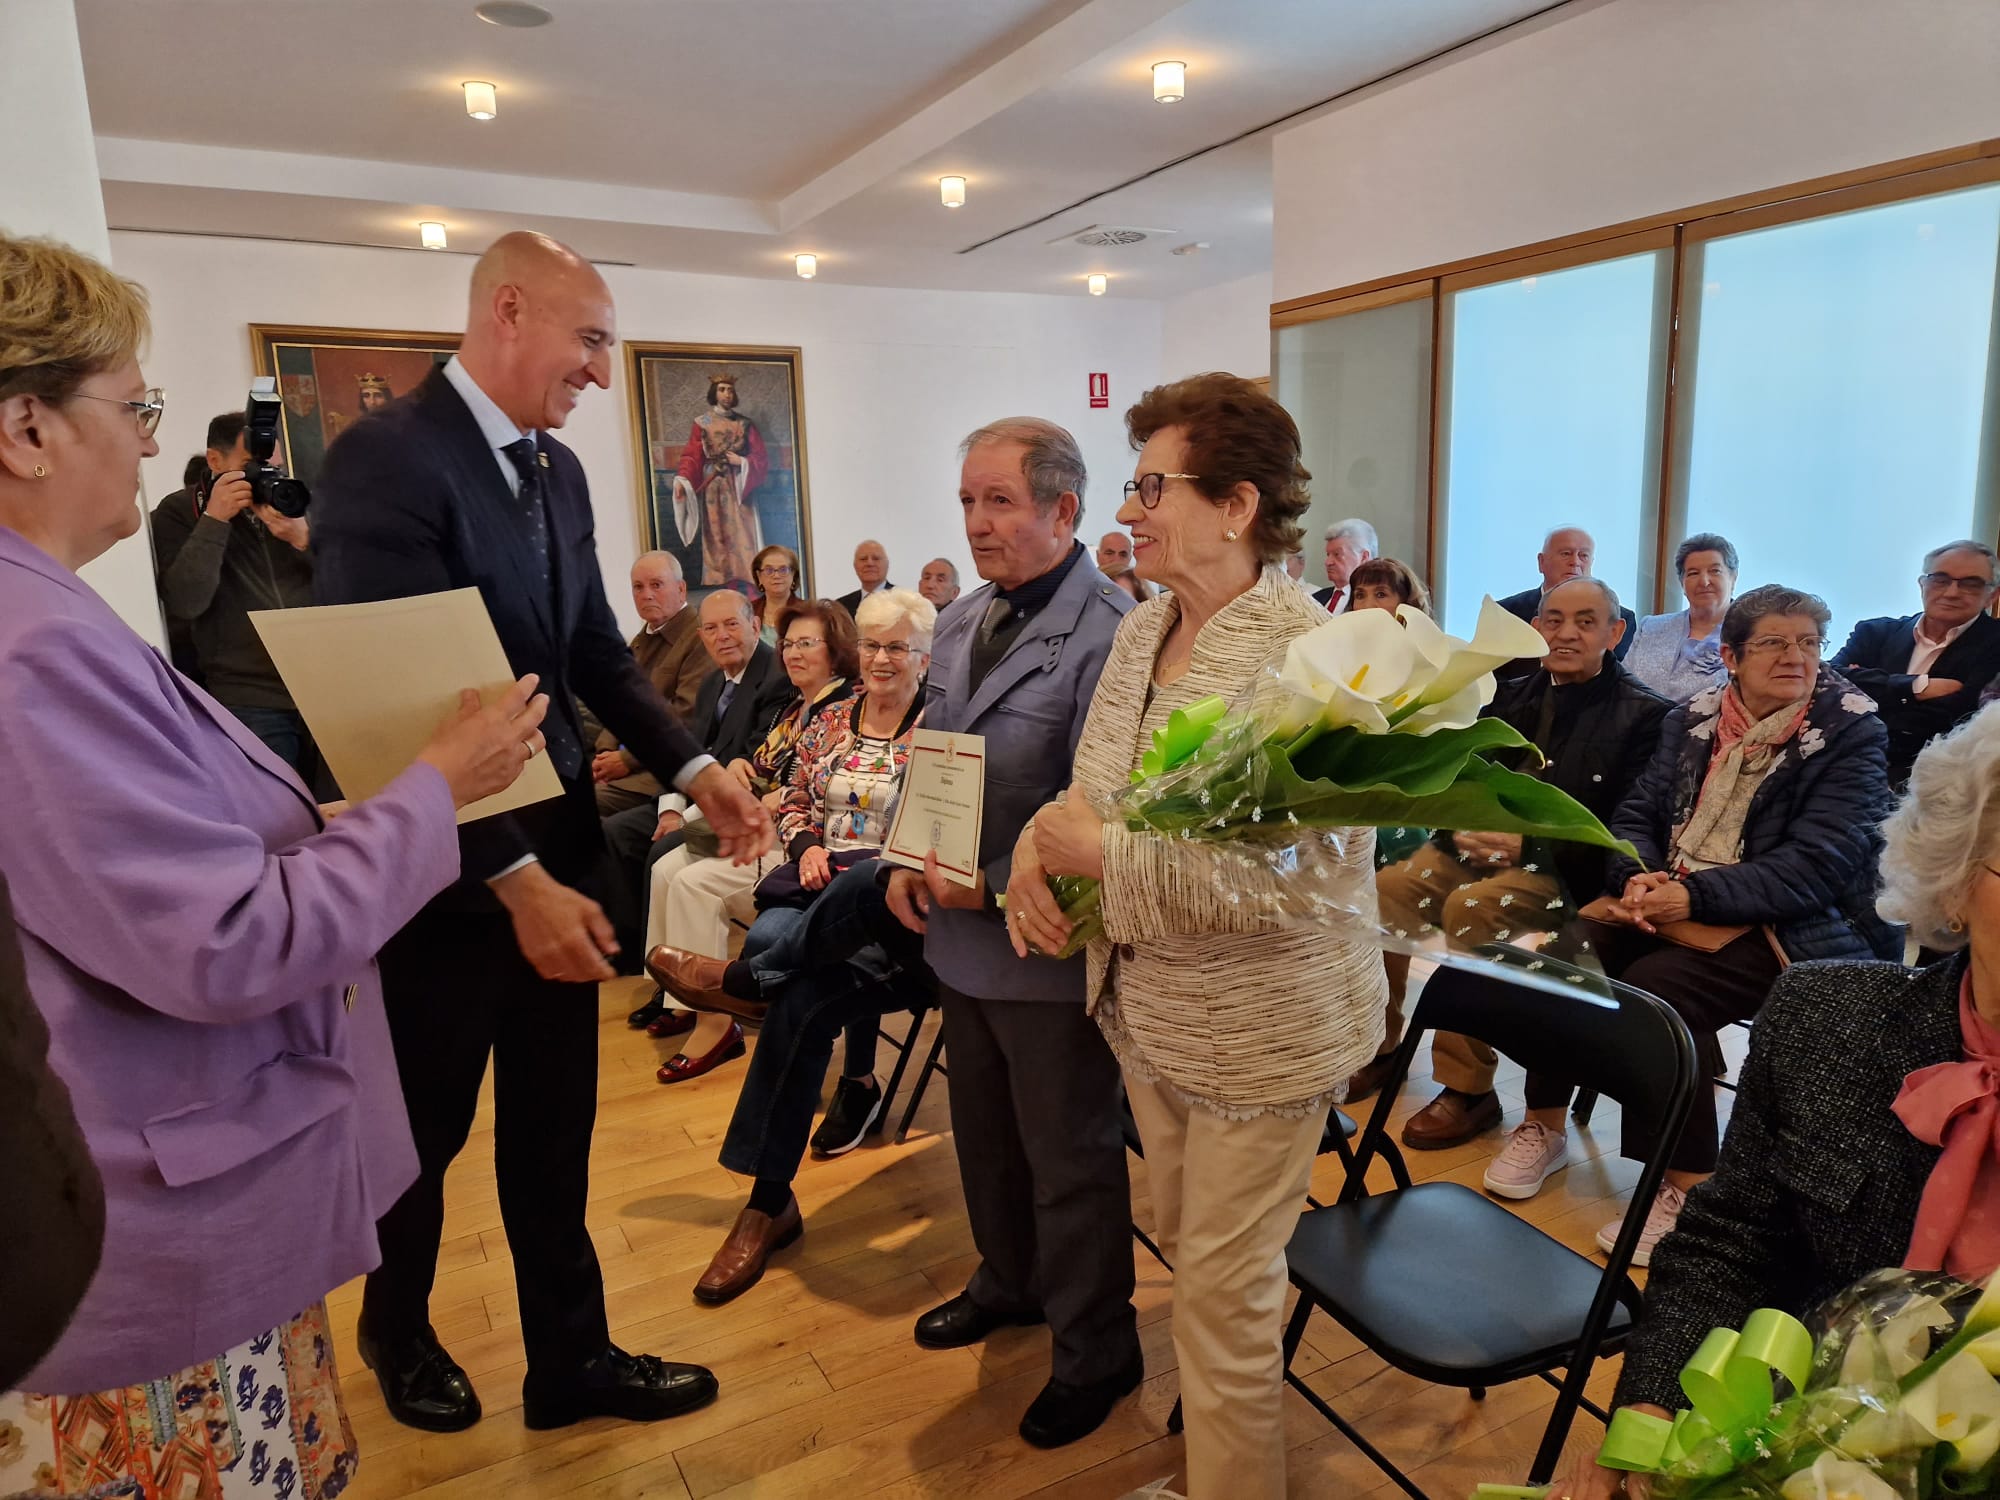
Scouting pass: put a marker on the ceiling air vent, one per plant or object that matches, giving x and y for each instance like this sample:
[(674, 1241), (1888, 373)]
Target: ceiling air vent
[(1102, 236)]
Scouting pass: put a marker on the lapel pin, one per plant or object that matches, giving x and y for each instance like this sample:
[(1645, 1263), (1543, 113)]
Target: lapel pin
[(544, 458)]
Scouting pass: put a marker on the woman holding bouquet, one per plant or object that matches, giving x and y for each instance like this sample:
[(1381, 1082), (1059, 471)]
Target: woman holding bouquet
[(1857, 1074), (1232, 1031)]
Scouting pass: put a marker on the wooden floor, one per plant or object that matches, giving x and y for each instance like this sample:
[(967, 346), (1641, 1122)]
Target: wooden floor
[(823, 1391)]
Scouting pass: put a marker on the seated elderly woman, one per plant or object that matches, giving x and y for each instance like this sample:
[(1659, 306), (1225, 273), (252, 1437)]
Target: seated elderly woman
[(693, 892), (825, 952), (1680, 654), (1757, 832), (1858, 1073), (1384, 583)]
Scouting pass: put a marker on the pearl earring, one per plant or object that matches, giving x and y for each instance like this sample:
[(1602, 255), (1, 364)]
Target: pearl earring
[(1229, 536)]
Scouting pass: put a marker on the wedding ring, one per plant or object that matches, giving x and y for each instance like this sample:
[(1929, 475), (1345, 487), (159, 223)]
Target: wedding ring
[(527, 750)]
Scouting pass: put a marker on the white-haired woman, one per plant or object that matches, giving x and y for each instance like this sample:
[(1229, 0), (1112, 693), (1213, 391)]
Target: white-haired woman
[(1864, 1129)]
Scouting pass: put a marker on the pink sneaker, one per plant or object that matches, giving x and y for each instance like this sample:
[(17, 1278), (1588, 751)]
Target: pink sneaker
[(1660, 1221), (1524, 1163)]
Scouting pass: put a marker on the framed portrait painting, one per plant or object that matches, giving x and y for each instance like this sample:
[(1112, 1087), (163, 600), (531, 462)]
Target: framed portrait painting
[(331, 377), (719, 431)]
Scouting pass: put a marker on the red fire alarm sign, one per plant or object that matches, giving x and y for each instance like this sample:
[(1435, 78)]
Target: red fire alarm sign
[(1100, 389)]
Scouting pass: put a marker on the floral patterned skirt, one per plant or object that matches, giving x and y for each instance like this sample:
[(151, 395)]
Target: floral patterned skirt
[(262, 1422)]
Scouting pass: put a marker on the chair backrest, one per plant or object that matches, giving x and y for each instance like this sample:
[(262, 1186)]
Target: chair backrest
[(1571, 1025)]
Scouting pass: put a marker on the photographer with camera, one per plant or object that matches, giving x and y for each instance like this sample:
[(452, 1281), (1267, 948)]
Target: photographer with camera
[(221, 548)]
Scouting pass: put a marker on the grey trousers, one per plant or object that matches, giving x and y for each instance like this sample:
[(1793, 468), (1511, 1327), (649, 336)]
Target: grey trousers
[(1034, 1114)]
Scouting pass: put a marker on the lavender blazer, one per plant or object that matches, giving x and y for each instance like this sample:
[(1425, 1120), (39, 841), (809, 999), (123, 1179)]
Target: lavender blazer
[(202, 947)]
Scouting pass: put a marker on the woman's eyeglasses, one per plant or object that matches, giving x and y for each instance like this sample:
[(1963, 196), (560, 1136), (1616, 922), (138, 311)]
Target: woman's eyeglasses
[(1777, 645), (896, 651), (775, 570), (147, 411), (1148, 487), (802, 642)]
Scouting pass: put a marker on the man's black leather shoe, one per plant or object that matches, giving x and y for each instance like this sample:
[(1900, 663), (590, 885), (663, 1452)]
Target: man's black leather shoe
[(423, 1385), (635, 1387), (961, 1321), (1063, 1413)]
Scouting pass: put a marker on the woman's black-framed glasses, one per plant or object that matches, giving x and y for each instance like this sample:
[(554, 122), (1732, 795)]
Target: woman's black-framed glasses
[(1148, 487), (147, 411)]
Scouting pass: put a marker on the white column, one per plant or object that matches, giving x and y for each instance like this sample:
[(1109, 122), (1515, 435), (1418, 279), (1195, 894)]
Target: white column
[(52, 189)]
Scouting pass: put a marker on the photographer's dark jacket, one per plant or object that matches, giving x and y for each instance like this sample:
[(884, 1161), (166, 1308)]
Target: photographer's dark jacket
[(212, 574)]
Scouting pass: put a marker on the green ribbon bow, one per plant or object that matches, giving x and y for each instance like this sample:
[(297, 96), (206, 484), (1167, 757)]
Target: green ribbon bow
[(1729, 1389), (1188, 729)]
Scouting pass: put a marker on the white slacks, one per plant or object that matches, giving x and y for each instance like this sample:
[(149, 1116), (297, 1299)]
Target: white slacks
[(692, 901)]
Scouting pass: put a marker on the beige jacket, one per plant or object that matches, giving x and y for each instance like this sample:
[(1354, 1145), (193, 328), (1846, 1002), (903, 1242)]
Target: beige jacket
[(1240, 1012)]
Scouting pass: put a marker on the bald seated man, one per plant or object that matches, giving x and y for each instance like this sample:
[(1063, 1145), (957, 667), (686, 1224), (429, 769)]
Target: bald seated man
[(871, 568), (462, 484), (1114, 554), (939, 583), (1567, 552)]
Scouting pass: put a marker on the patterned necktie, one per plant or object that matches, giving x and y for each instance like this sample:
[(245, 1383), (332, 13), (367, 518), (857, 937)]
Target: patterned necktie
[(565, 746), (727, 697)]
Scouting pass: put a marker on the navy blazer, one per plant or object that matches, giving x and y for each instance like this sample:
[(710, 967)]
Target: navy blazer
[(411, 502), (1030, 709), (1876, 659), (762, 695)]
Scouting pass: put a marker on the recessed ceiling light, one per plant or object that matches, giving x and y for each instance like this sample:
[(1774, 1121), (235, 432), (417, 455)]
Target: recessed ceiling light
[(516, 13), (1169, 82), (482, 100), (432, 234), (808, 266), (952, 190), (1096, 281), (1192, 247)]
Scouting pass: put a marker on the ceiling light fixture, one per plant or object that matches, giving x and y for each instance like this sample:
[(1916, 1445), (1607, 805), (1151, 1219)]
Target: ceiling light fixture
[(808, 266), (482, 100), (432, 234), (952, 190), (515, 13), (1097, 281), (1169, 82)]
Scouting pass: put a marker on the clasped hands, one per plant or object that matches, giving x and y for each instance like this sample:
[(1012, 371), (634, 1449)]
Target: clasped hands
[(1064, 838), (1651, 898)]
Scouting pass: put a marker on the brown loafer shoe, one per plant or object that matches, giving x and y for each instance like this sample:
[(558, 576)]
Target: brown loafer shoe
[(743, 1256), (670, 1023), (680, 1067), (1450, 1119), (1369, 1077), (696, 982)]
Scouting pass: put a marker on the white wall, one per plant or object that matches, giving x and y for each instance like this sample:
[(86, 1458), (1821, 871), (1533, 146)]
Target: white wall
[(1611, 110), (893, 379), (1222, 327)]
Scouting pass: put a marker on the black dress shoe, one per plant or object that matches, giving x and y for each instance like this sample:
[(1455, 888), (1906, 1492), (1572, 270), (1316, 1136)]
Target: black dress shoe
[(636, 1387), (648, 1013), (423, 1385), (1063, 1412), (961, 1321)]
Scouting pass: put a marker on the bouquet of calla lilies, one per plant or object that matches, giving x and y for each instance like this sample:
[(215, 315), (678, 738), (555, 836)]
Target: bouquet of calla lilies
[(1371, 721), (1896, 1400)]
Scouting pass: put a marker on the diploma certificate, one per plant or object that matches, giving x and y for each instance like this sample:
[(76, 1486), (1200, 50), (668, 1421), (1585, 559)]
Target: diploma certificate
[(942, 805)]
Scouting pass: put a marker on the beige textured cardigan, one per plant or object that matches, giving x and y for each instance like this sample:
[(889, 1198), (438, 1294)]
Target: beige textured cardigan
[(1238, 1012)]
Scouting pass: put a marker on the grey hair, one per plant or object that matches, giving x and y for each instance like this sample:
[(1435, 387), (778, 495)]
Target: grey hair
[(1610, 595), (1357, 529), (1556, 531), (671, 563), (1706, 541), (950, 567), (1979, 547), (1942, 832), (1770, 599), (1053, 464), (892, 607)]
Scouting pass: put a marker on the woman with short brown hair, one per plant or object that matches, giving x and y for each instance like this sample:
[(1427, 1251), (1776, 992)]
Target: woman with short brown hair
[(1384, 583), (775, 581)]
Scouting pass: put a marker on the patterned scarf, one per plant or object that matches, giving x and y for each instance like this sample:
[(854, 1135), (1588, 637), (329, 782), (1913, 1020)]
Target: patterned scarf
[(1744, 752), (1954, 1105)]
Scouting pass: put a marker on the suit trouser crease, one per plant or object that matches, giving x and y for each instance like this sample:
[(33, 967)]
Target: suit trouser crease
[(1041, 1154), (1227, 1195)]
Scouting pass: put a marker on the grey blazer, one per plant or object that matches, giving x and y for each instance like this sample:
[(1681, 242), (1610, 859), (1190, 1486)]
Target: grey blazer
[(1030, 710)]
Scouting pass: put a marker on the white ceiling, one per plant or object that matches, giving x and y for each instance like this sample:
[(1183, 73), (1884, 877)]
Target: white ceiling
[(726, 135)]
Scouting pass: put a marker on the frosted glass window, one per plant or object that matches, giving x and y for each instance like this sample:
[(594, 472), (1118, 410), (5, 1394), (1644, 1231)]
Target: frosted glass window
[(1839, 378), (1359, 387), (1550, 417)]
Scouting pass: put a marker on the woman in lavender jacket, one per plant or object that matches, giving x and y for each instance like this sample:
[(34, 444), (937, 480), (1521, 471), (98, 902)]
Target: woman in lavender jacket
[(201, 943)]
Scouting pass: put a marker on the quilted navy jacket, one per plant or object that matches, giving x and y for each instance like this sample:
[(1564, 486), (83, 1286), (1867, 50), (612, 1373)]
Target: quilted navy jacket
[(1807, 863)]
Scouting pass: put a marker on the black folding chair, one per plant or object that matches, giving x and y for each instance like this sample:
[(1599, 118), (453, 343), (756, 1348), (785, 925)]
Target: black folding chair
[(1586, 1099), (1444, 1283), (933, 1064), (904, 1045)]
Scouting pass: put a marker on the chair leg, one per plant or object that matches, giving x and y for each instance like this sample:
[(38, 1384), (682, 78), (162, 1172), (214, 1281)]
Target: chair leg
[(1348, 1430), (903, 1050), (1585, 1106), (923, 1081), (1175, 1421), (1476, 1392), (1151, 1249)]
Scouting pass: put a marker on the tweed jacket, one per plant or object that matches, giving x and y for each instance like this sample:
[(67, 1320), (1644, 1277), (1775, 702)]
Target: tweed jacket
[(1236, 1011), (1818, 1182)]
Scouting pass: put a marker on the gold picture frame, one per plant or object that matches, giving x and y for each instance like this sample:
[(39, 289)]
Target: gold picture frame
[(329, 378)]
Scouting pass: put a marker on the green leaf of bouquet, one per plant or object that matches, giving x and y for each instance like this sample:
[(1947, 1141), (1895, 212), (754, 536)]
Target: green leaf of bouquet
[(1417, 765)]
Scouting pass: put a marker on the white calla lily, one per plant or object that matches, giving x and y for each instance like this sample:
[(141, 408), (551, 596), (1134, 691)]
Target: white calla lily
[(1832, 1478), (1498, 639), (1960, 1404), (1350, 667)]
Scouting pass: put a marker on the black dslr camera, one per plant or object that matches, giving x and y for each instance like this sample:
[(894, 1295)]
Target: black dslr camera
[(269, 484)]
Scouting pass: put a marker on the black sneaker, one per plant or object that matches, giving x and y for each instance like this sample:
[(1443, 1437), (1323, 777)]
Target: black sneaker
[(855, 1109)]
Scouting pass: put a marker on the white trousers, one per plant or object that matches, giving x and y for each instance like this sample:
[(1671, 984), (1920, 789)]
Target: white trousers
[(1226, 1196), (693, 901)]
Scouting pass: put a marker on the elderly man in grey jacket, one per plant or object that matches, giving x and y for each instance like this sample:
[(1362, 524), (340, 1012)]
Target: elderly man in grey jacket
[(1034, 1088)]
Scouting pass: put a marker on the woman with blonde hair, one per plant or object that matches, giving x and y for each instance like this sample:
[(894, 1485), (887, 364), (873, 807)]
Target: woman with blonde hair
[(201, 942)]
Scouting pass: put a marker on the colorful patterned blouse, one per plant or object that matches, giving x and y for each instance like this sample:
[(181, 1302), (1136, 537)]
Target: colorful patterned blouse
[(771, 762), (844, 784)]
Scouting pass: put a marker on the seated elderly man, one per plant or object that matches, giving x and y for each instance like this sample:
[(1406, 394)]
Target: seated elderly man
[(669, 650), (871, 571), (1566, 553), (1598, 726), (1349, 544), (939, 582), (1927, 671)]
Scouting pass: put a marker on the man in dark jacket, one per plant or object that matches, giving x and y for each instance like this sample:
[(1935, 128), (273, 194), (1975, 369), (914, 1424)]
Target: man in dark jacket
[(1566, 553), (1598, 726), (218, 556), (1926, 671)]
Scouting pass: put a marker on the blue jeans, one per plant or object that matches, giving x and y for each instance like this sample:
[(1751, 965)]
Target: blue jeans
[(839, 964)]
